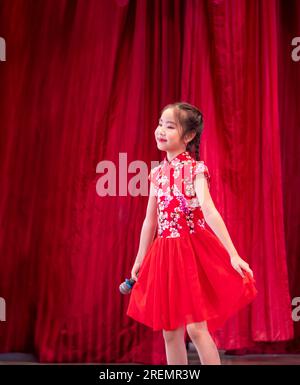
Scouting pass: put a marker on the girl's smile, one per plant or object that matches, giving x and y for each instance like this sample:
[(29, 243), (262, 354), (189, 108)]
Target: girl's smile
[(161, 140)]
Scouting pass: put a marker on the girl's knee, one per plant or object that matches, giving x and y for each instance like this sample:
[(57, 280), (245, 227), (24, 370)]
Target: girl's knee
[(171, 335), (196, 328)]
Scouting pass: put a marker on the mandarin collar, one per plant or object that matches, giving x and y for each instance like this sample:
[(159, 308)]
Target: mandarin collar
[(182, 156)]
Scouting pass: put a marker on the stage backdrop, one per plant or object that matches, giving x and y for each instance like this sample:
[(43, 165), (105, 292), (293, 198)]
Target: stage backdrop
[(84, 81)]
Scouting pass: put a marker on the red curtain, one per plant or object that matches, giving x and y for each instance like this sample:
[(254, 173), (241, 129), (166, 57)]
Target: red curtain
[(83, 82)]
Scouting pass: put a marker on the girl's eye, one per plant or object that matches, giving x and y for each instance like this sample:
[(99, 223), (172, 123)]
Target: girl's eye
[(167, 126)]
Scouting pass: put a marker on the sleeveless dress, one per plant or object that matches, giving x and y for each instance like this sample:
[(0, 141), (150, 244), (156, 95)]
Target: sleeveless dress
[(186, 275)]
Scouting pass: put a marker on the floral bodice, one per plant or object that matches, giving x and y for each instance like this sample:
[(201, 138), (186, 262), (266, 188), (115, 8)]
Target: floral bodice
[(178, 209)]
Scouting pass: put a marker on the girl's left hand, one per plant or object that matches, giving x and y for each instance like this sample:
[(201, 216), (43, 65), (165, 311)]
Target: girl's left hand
[(238, 264)]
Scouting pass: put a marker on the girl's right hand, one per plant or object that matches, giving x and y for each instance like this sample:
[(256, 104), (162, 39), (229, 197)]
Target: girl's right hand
[(135, 270)]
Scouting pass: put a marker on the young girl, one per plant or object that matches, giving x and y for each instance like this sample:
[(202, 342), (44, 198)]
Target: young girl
[(189, 278)]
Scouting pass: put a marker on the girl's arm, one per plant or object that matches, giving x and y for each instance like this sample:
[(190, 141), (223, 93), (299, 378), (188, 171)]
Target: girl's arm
[(216, 223), (149, 226)]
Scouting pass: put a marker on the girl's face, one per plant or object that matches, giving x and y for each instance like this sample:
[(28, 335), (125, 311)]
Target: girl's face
[(168, 133)]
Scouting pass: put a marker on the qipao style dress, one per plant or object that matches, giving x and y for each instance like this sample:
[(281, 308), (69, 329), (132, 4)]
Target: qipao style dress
[(186, 275)]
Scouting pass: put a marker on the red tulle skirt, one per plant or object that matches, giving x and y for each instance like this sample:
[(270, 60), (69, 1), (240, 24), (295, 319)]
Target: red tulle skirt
[(188, 279)]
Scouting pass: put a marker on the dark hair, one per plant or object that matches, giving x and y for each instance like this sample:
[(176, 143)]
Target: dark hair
[(191, 120)]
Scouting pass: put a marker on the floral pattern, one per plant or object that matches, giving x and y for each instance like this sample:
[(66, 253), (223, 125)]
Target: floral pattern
[(178, 209)]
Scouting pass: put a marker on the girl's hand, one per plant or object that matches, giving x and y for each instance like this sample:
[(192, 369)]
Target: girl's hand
[(238, 264), (135, 270)]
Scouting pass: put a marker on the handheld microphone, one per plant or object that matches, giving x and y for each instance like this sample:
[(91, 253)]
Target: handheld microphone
[(126, 286)]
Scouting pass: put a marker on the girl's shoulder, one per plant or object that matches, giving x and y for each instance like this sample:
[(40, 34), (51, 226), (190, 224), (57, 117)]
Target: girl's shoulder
[(199, 167)]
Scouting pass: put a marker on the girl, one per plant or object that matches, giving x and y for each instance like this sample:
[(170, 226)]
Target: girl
[(189, 278)]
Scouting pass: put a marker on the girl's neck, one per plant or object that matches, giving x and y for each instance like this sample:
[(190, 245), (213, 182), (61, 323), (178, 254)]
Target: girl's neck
[(172, 154)]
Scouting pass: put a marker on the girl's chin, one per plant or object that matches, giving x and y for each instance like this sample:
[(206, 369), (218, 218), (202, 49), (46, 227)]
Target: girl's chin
[(162, 145)]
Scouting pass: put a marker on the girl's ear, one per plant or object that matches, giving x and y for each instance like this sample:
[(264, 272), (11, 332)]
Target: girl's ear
[(189, 137)]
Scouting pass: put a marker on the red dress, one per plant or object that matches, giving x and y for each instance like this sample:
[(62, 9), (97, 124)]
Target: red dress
[(186, 275)]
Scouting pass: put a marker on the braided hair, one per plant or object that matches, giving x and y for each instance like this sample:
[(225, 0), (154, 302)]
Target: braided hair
[(191, 120)]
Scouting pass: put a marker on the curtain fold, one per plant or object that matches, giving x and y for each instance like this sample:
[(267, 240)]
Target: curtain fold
[(83, 82)]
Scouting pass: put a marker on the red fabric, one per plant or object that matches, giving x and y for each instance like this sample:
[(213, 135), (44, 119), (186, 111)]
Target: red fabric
[(85, 81), (188, 279)]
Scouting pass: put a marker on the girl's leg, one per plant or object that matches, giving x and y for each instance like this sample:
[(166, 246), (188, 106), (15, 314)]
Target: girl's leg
[(175, 346), (201, 338)]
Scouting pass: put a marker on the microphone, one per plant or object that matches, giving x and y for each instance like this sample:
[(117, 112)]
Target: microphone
[(126, 286)]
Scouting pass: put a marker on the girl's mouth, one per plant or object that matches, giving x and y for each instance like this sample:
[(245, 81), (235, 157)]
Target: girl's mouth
[(161, 140)]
